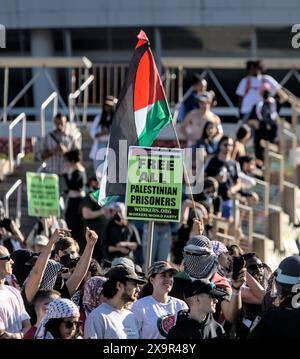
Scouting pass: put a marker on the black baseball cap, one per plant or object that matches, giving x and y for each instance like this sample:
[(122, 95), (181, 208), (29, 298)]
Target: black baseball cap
[(200, 286), (122, 272)]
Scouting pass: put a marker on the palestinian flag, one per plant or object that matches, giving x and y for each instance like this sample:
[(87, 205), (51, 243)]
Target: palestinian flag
[(142, 111)]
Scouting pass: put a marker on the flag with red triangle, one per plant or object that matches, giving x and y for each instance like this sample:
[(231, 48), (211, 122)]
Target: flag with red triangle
[(141, 113)]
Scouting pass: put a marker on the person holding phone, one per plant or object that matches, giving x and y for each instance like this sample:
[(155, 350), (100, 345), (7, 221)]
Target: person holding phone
[(201, 262)]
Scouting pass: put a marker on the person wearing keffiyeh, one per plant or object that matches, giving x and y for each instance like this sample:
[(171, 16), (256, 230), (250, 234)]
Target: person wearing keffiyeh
[(92, 296), (224, 259), (60, 321), (200, 262)]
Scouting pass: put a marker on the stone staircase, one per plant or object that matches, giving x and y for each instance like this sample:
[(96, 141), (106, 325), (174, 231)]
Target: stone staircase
[(29, 165)]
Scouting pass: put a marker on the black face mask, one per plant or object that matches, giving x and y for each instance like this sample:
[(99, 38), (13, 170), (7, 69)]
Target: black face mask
[(67, 260), (266, 95), (117, 217)]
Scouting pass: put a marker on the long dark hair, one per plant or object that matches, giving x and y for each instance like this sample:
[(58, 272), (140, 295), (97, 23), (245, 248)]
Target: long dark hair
[(52, 326), (106, 118), (204, 133)]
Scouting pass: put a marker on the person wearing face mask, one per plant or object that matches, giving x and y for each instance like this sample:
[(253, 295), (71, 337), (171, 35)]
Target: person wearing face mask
[(156, 310), (121, 237)]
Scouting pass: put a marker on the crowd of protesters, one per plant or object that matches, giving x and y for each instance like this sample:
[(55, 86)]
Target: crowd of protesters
[(84, 275)]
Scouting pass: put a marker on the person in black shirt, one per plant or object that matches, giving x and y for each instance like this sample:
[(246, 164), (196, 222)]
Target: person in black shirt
[(121, 237), (198, 323), (95, 217), (282, 321), (226, 171), (75, 179)]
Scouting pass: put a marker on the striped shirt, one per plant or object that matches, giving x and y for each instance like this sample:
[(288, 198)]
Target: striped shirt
[(56, 163)]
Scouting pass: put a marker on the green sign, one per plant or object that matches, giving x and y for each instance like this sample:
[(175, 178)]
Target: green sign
[(42, 194), (154, 184)]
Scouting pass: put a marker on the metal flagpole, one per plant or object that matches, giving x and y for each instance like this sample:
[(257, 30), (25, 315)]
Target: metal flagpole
[(149, 244), (186, 173)]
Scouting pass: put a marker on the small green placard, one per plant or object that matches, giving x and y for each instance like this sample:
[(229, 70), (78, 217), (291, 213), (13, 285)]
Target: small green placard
[(154, 184), (42, 194)]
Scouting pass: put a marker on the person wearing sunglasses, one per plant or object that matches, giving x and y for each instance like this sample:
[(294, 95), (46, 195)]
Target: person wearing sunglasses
[(227, 173), (61, 321), (40, 302), (14, 320), (252, 293)]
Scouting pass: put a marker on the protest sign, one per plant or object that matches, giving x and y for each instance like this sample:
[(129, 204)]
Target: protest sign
[(154, 184), (42, 194)]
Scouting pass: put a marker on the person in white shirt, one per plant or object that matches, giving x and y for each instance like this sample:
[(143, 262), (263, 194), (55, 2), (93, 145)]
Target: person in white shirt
[(111, 320), (250, 88), (100, 131), (157, 312), (14, 320)]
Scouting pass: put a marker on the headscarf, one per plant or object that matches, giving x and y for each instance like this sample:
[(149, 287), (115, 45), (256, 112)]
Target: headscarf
[(92, 293), (219, 248), (50, 274), (59, 308), (199, 258)]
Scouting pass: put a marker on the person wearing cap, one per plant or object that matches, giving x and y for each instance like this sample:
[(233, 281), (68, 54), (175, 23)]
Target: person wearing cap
[(111, 320), (100, 130), (198, 322), (38, 243), (282, 321), (156, 310), (194, 122)]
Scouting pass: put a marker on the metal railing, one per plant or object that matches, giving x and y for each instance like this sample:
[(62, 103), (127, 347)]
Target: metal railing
[(16, 186), (243, 223), (274, 175), (53, 97), (21, 154), (288, 148), (11, 63), (261, 209), (72, 100)]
